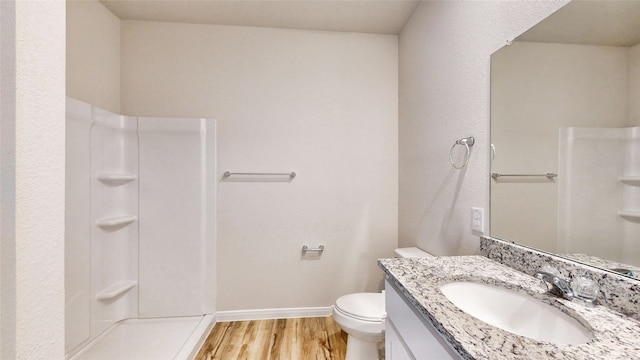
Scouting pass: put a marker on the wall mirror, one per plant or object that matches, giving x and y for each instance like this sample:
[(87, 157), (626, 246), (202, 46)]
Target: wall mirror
[(565, 134)]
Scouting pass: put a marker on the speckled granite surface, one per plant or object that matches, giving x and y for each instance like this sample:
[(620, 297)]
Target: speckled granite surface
[(618, 292), (615, 336), (602, 263)]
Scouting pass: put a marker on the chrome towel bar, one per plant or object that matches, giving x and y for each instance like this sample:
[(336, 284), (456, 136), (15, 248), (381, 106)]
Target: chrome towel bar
[(229, 173), (547, 175)]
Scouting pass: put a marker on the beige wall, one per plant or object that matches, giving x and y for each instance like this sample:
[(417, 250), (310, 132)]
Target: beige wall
[(444, 95), (32, 168), (93, 54), (323, 104), (536, 89)]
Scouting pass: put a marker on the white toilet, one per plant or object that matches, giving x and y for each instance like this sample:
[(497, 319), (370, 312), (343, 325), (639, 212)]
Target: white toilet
[(362, 315)]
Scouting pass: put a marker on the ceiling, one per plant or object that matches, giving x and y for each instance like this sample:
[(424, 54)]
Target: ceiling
[(613, 23), (369, 16)]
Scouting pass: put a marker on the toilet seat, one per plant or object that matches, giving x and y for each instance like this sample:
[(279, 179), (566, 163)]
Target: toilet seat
[(362, 306)]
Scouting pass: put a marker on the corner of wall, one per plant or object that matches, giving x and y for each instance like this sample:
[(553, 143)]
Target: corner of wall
[(35, 241), (444, 89), (93, 54)]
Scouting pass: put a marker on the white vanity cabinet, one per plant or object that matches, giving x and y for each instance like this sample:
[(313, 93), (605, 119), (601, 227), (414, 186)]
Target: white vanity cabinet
[(408, 335)]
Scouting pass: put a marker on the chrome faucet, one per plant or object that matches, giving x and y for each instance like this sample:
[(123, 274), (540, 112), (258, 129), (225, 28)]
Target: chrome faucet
[(561, 286)]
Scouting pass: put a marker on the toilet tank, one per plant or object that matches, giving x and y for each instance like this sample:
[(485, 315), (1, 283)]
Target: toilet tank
[(411, 252)]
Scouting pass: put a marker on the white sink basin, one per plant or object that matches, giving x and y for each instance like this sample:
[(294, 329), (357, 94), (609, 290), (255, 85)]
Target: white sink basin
[(517, 313)]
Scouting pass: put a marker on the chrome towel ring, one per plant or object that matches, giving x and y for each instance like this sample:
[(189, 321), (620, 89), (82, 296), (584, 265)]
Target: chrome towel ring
[(467, 143)]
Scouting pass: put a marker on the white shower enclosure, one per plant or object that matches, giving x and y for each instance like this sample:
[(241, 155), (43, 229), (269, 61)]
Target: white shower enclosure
[(599, 193), (140, 234)]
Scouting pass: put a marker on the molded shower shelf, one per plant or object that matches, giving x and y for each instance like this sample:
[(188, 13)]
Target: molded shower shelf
[(116, 289), (633, 215), (116, 220), (630, 180), (117, 178)]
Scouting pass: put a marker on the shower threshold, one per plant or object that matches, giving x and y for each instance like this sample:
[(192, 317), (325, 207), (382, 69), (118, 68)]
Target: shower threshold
[(177, 338)]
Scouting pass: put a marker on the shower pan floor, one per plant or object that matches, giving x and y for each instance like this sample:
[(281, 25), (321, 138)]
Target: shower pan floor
[(150, 339)]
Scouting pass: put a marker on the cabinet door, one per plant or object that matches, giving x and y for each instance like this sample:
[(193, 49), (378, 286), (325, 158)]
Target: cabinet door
[(394, 347), (422, 340)]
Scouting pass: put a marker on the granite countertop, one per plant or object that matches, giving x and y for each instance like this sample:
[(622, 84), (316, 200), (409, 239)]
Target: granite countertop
[(602, 263), (615, 336)]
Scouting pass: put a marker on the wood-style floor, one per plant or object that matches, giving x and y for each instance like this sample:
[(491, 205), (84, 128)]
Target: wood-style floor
[(281, 339)]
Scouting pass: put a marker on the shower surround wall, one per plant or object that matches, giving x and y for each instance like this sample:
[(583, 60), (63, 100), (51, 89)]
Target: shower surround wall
[(177, 217), (101, 242), (140, 220), (611, 229)]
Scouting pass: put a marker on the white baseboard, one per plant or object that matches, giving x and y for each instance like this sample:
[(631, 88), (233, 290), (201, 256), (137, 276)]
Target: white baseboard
[(264, 314)]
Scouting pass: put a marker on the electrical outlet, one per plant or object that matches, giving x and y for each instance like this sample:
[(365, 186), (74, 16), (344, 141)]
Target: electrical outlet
[(477, 219)]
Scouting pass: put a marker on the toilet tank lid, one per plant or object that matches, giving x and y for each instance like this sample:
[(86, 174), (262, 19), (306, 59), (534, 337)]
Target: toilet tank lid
[(412, 252)]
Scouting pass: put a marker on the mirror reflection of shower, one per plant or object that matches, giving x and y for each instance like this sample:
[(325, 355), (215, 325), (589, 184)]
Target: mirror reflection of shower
[(569, 71), (600, 166)]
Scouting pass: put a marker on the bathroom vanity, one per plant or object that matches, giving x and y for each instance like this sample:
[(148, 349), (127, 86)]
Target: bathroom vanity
[(423, 323)]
